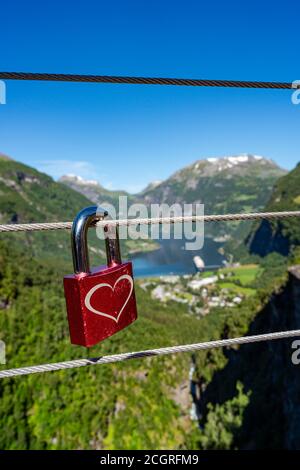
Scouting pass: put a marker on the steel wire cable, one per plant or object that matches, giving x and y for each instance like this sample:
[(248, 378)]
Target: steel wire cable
[(61, 77), (147, 353)]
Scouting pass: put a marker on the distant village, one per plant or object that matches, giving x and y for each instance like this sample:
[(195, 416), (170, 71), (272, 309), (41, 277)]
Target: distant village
[(200, 292)]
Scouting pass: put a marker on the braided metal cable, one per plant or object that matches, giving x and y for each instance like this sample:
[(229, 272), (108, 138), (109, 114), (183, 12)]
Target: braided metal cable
[(60, 77), (199, 218), (32, 227), (36, 227), (147, 353)]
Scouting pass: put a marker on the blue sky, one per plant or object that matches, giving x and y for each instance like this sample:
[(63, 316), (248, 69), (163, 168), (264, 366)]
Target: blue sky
[(126, 136)]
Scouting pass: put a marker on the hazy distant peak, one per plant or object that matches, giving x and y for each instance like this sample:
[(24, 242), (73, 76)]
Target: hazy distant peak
[(76, 179), (152, 185), (92, 189)]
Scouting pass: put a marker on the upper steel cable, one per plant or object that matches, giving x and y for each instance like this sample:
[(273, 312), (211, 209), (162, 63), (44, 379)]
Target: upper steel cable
[(62, 77)]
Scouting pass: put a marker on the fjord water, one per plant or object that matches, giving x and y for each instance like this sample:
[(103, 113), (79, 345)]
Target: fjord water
[(172, 258)]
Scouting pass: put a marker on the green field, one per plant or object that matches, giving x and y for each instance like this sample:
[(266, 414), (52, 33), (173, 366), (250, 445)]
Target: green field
[(237, 289), (245, 274), (237, 279)]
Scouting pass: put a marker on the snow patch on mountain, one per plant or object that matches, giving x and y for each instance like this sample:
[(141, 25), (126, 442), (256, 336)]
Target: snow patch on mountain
[(79, 180), (218, 164)]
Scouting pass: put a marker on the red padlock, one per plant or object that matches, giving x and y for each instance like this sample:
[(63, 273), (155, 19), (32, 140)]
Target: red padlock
[(101, 301)]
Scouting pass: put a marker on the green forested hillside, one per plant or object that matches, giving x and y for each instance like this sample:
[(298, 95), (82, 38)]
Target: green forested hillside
[(137, 404), (27, 195), (124, 406), (129, 405)]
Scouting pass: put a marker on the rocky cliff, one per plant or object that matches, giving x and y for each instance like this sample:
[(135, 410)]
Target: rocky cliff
[(272, 416), (279, 235)]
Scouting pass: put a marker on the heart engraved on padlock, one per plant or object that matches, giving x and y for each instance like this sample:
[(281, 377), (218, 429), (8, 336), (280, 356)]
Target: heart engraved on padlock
[(100, 302), (89, 295)]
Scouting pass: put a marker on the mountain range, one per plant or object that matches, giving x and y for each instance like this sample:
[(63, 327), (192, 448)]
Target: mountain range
[(241, 183)]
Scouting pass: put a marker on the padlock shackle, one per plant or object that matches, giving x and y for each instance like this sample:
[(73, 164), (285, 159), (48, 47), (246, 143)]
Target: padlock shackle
[(85, 219)]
